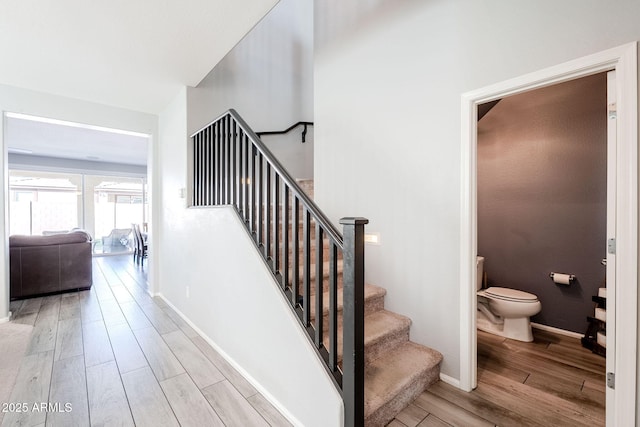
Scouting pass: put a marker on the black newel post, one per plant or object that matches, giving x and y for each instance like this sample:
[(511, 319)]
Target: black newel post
[(353, 312)]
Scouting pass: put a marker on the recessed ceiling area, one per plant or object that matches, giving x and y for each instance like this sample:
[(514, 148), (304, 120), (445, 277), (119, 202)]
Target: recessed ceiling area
[(37, 136)]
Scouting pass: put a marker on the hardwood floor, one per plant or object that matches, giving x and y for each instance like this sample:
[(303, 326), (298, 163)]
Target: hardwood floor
[(115, 356), (552, 381), (119, 357)]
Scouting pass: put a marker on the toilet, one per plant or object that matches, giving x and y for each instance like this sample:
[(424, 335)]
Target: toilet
[(505, 312)]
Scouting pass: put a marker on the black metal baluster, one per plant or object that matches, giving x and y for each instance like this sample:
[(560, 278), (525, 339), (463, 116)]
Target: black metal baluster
[(260, 200), (223, 183), (285, 235), (234, 166), (222, 133), (203, 169), (247, 180), (353, 313), (306, 259), (295, 250), (196, 170), (227, 173), (216, 163), (319, 288), (207, 167), (333, 307), (252, 189), (202, 172), (267, 211), (230, 170), (276, 223), (215, 154), (242, 174)]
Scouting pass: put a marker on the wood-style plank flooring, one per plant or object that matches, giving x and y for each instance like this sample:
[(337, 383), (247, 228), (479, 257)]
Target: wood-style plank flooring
[(552, 381), (115, 356)]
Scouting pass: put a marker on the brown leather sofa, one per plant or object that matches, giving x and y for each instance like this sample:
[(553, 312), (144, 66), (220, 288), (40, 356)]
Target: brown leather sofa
[(43, 265)]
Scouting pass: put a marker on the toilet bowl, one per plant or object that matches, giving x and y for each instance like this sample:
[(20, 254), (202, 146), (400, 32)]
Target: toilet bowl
[(504, 311)]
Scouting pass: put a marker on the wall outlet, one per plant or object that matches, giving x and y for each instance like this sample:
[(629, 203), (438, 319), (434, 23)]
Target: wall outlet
[(187, 291)]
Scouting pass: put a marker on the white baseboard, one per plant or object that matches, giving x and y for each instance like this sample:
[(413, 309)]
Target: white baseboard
[(450, 380), (285, 413), (5, 319), (556, 330)]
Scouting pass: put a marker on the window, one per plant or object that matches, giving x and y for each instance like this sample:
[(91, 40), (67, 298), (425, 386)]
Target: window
[(105, 206)]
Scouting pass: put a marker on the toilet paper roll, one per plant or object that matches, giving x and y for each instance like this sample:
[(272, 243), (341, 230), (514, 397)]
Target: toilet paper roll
[(602, 292), (562, 279), (601, 314)]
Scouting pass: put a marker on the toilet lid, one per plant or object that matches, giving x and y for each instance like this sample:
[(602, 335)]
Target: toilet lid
[(511, 294)]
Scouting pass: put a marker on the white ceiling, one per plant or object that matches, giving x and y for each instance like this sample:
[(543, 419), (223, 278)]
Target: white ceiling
[(31, 136), (133, 54)]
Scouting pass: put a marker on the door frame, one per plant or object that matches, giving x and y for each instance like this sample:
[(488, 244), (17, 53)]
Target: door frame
[(623, 59)]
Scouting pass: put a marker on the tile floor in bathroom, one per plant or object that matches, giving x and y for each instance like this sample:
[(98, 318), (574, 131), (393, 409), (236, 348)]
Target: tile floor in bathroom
[(552, 381)]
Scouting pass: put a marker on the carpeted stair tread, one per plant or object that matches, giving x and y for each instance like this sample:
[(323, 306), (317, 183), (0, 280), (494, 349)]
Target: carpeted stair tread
[(393, 380)]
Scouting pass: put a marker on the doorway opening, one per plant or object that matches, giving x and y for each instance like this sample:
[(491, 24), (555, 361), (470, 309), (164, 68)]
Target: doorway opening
[(622, 263), (67, 175)]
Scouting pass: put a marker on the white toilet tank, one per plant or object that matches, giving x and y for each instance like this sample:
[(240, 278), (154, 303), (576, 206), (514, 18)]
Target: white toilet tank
[(480, 269)]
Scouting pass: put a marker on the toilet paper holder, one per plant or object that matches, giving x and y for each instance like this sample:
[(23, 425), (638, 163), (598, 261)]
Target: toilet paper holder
[(563, 278)]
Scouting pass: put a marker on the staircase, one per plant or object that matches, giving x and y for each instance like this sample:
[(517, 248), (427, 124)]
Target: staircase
[(396, 369), (366, 348)]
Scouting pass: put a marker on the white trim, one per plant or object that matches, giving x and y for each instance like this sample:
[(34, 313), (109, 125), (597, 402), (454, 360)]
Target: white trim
[(67, 123), (5, 295), (5, 319), (626, 268), (624, 60), (449, 380), (612, 219), (293, 420), (556, 330)]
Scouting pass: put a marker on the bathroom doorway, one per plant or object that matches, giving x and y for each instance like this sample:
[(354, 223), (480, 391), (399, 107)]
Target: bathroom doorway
[(542, 201), (621, 210)]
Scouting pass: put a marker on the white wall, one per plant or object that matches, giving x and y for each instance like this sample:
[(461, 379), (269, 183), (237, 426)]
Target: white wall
[(18, 100), (268, 79), (233, 298), (388, 83)]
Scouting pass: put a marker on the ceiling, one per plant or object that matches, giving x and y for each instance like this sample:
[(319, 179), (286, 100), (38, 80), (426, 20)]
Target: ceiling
[(135, 55), (38, 137), (130, 54)]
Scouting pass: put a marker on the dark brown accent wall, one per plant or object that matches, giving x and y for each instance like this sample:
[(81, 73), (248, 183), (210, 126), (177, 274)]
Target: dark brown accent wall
[(542, 160)]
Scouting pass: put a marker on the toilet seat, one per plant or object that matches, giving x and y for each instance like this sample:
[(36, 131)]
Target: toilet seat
[(508, 294)]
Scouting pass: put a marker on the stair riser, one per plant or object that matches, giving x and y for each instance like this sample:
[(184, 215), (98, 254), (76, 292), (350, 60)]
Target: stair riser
[(371, 305), (325, 285), (312, 276), (375, 349), (325, 252)]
